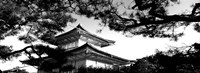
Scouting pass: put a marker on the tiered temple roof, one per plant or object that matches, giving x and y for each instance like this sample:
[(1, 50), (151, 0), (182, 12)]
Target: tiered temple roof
[(87, 50), (90, 52)]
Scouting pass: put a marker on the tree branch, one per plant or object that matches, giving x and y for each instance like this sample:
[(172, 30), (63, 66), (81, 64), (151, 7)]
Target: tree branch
[(167, 19), (125, 19), (18, 51), (164, 18)]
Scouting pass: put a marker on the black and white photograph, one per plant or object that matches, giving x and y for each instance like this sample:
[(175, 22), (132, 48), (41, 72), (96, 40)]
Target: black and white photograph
[(99, 36)]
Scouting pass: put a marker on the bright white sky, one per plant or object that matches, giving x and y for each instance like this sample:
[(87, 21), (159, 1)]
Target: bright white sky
[(128, 48)]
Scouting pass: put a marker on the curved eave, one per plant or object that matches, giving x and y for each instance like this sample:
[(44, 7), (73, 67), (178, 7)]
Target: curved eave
[(107, 54), (73, 31), (99, 53), (82, 50), (93, 35)]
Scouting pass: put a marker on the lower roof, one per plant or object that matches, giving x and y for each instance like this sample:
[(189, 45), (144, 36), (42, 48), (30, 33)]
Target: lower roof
[(92, 50), (86, 51)]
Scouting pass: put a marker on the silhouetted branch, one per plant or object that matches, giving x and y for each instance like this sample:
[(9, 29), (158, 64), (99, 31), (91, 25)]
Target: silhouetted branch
[(167, 19), (15, 52), (162, 18), (125, 19)]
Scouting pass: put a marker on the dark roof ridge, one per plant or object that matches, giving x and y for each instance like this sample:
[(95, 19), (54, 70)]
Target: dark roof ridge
[(80, 27), (65, 33)]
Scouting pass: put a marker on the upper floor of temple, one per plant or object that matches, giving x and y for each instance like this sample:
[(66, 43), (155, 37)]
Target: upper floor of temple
[(79, 36)]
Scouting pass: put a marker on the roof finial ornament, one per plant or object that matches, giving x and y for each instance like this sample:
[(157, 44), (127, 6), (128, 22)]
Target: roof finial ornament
[(79, 25)]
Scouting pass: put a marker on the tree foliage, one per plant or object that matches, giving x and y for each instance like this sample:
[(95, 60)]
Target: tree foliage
[(144, 17), (16, 15), (174, 61), (47, 17), (41, 19), (55, 58)]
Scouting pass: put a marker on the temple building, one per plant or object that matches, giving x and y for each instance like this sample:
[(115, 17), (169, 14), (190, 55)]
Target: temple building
[(85, 49), (84, 46)]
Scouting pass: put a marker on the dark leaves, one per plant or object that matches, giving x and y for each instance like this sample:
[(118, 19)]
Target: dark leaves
[(173, 60), (197, 27), (196, 46), (116, 26), (6, 50), (41, 16), (174, 0), (27, 38), (48, 37)]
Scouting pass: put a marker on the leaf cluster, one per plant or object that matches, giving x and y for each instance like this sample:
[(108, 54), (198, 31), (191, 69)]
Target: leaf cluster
[(175, 61), (149, 18)]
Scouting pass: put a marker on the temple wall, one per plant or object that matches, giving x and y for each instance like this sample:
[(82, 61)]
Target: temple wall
[(89, 63), (92, 63)]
